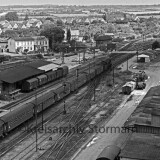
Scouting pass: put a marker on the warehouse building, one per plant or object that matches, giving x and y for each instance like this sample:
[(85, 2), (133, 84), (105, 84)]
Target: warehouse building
[(11, 80), (143, 142)]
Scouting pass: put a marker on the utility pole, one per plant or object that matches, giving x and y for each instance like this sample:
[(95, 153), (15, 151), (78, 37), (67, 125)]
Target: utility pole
[(77, 74), (113, 76), (127, 63), (64, 103), (137, 56), (79, 58), (36, 119), (42, 116), (94, 79)]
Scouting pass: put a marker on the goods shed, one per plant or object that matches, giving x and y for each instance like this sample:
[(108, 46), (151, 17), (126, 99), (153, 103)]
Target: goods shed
[(12, 79), (143, 58)]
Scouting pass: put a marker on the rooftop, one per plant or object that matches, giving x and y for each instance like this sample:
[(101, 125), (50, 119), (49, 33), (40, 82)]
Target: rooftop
[(17, 74), (150, 103), (142, 146), (23, 39)]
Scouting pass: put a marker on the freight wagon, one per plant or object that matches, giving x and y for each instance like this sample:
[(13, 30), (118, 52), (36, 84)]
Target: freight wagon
[(19, 115), (38, 81)]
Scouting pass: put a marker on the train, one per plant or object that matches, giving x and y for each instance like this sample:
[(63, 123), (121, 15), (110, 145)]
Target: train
[(33, 83), (19, 115)]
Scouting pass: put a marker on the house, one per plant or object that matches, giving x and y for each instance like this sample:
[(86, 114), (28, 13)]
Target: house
[(41, 43), (3, 44), (21, 44), (103, 40), (37, 43), (75, 34)]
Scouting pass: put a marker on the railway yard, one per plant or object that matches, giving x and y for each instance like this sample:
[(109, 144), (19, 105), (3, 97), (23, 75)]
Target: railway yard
[(62, 122)]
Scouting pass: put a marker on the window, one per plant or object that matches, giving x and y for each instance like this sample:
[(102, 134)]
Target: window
[(30, 48), (17, 43)]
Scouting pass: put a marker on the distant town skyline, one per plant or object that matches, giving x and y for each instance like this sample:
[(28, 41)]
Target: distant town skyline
[(79, 2)]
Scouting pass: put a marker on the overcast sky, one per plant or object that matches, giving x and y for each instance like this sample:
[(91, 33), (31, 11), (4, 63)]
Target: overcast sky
[(79, 2)]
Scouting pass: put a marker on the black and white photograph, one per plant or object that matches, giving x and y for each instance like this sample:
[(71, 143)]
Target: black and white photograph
[(79, 80)]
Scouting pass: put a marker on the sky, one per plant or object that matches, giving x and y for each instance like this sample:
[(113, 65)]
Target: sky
[(78, 2)]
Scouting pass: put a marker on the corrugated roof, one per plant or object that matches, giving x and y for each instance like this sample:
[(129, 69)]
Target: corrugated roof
[(17, 74), (142, 146), (110, 152), (49, 67)]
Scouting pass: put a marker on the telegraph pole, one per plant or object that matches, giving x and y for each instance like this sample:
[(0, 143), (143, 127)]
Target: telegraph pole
[(36, 119), (137, 56), (42, 116), (113, 76), (77, 74), (64, 103), (127, 63), (94, 79)]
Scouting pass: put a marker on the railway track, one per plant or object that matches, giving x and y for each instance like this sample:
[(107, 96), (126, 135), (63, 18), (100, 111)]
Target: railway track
[(45, 88), (60, 147), (54, 116), (42, 137)]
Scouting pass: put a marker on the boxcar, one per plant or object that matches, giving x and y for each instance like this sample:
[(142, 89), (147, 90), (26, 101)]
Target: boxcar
[(44, 101), (51, 75), (42, 79), (61, 91), (98, 70), (17, 116), (59, 73), (30, 84), (1, 127), (81, 80), (73, 84), (65, 70)]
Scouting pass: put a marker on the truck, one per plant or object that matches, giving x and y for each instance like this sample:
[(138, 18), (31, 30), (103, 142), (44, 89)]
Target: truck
[(128, 87)]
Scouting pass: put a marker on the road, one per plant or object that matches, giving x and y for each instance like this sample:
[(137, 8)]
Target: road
[(93, 148)]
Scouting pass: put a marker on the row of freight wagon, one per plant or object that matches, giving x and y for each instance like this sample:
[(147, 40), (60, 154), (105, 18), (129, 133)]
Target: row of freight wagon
[(47, 77), (27, 111)]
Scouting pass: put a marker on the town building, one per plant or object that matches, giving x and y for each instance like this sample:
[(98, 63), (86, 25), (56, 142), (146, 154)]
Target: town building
[(103, 40), (41, 43), (21, 44)]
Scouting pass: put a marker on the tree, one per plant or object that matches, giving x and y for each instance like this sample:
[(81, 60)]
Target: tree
[(9, 33), (11, 16), (68, 35), (155, 45), (50, 19), (54, 34), (59, 22), (26, 17), (104, 16)]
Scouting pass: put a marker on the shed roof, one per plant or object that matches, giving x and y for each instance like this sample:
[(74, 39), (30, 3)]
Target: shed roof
[(143, 56), (142, 146), (37, 64), (104, 38), (110, 152), (49, 67), (17, 74)]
